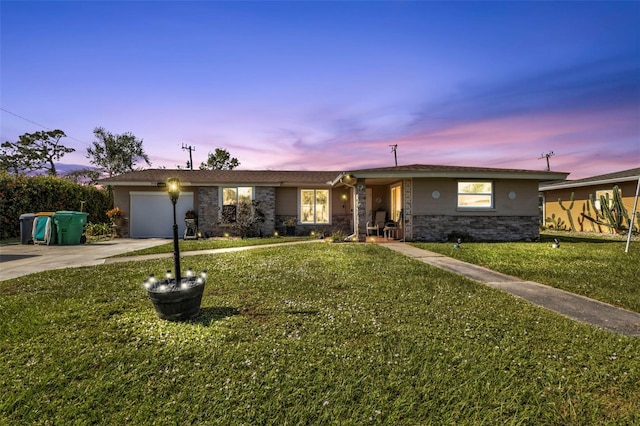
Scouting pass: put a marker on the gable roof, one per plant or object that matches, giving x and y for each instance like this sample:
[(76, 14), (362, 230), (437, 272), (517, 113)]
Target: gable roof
[(153, 177), (606, 179)]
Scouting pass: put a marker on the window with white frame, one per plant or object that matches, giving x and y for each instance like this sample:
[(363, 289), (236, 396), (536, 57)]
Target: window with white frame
[(475, 195), (314, 206), (232, 197)]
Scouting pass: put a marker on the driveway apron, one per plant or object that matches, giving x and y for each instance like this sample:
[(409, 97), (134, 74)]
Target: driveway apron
[(17, 260)]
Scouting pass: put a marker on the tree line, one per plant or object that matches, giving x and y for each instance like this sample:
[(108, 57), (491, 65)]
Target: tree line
[(110, 155)]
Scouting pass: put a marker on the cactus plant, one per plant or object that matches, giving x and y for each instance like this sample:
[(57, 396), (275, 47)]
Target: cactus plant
[(556, 222), (568, 210), (585, 207), (611, 213)]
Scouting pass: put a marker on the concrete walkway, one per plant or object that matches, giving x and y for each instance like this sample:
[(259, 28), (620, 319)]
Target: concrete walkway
[(203, 252), (571, 305)]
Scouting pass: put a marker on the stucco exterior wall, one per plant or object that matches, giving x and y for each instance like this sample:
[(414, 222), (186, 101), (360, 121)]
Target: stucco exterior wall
[(582, 205), (286, 202), (436, 216), (525, 202)]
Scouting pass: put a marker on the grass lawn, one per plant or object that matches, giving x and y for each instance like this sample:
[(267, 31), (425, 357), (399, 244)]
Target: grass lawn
[(595, 267), (306, 334)]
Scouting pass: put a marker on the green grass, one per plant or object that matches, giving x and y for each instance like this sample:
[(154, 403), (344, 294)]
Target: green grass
[(211, 244), (596, 267), (307, 334)]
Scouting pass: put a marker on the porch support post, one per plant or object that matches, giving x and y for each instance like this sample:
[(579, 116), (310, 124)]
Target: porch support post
[(360, 214), (407, 210)]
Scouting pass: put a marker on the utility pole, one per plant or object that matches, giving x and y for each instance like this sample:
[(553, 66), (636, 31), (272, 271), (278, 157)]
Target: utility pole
[(394, 149), (547, 155), (189, 148)]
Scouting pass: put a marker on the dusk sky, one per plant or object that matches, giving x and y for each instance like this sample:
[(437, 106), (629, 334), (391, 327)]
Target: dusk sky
[(331, 85)]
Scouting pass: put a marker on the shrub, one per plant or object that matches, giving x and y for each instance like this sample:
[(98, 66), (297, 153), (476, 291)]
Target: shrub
[(98, 229), (32, 194), (338, 236), (115, 213)]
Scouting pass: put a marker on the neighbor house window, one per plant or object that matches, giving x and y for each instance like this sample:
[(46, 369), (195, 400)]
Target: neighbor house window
[(475, 195), (231, 199), (607, 194), (314, 206)]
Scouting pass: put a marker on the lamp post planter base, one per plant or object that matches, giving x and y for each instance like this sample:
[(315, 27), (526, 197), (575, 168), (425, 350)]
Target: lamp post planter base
[(176, 303)]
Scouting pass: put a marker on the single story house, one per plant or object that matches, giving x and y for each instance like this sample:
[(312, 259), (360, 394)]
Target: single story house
[(569, 201), (426, 202)]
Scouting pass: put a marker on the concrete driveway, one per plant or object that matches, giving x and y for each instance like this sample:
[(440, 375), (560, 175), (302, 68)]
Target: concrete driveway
[(18, 259)]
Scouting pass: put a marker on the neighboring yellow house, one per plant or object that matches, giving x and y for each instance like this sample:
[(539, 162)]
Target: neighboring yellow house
[(562, 214)]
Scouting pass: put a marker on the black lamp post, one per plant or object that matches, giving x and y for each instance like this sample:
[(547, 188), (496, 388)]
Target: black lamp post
[(173, 185), (176, 299)]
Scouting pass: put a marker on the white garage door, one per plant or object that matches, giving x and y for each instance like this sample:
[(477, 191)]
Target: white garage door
[(152, 214)]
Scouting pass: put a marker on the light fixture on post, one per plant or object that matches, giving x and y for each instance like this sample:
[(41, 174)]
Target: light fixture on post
[(176, 298), (173, 188)]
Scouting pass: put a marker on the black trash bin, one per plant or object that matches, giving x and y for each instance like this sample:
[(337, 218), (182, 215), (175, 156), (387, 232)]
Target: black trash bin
[(26, 228)]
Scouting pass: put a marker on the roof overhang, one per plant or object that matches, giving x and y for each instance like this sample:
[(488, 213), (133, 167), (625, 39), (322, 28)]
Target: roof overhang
[(569, 184), (537, 176), (183, 183)]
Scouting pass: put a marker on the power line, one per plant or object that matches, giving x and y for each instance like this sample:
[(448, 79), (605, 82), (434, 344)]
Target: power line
[(26, 119), (41, 125)]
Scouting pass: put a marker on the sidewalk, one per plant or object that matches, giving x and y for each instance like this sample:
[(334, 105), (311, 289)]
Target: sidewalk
[(571, 305)]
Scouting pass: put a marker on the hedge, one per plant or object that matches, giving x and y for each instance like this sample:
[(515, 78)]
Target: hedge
[(33, 194)]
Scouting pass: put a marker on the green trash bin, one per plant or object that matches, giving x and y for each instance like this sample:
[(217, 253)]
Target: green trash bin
[(70, 226)]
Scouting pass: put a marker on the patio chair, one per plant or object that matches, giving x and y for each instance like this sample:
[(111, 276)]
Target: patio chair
[(391, 229), (378, 223)]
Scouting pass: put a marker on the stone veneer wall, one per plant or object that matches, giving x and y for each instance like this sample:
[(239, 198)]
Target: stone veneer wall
[(360, 205), (207, 209), (480, 228), (407, 210), (266, 196)]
